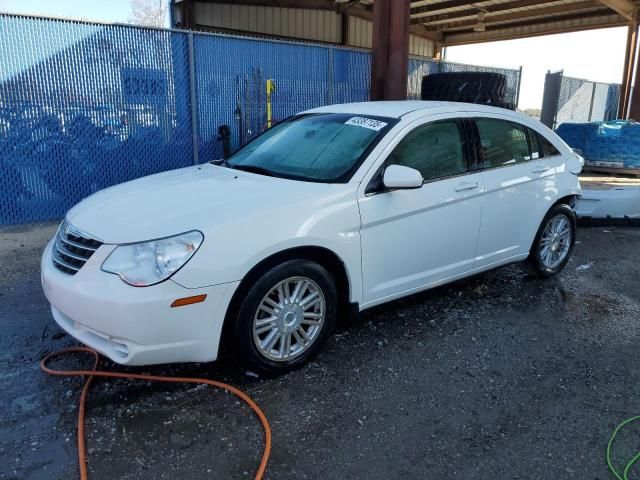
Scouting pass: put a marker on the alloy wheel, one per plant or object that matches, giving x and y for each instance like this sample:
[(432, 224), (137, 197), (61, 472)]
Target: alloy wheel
[(555, 242), (289, 319)]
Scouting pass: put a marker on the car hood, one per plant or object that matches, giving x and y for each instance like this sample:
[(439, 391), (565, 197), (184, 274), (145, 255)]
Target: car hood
[(177, 201)]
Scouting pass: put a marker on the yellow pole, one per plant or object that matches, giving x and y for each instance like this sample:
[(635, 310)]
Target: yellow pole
[(271, 87)]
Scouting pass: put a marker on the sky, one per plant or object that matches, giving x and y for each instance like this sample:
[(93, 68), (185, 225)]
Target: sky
[(111, 11), (96, 10), (593, 55)]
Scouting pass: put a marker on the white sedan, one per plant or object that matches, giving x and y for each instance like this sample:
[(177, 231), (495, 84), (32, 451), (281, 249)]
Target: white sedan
[(332, 211)]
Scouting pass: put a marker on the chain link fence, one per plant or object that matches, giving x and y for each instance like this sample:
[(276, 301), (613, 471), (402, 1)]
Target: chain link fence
[(575, 100), (231, 74), (419, 67), (85, 106)]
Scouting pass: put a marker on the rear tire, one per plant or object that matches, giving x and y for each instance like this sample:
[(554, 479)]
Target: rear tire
[(285, 317), (554, 242)]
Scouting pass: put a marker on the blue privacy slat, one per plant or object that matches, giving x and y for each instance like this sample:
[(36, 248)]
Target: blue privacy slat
[(83, 107), (86, 106)]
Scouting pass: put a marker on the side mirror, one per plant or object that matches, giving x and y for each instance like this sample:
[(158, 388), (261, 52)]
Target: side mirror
[(397, 177)]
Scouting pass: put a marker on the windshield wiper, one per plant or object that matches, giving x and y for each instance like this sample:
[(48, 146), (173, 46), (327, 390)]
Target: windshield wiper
[(244, 168), (253, 169), (221, 163)]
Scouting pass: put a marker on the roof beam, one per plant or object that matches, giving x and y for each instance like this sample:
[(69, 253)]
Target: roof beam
[(306, 4), (625, 8), (548, 26), (547, 20), (418, 30), (343, 7), (519, 15), (427, 16), (419, 6)]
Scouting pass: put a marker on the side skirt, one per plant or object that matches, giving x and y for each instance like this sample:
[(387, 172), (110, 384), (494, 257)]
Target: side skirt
[(437, 283)]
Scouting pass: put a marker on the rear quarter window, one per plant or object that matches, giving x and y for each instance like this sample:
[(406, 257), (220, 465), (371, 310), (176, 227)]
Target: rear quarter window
[(548, 148), (534, 142)]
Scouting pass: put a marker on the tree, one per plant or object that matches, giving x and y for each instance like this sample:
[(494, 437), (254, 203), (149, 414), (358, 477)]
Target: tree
[(150, 13)]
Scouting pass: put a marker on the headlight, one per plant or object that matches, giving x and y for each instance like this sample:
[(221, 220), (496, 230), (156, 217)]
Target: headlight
[(148, 263)]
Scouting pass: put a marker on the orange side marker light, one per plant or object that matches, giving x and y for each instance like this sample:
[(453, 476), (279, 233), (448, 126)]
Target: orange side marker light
[(180, 302)]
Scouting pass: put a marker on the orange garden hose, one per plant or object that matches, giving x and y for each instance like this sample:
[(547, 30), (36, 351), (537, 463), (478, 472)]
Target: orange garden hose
[(94, 372)]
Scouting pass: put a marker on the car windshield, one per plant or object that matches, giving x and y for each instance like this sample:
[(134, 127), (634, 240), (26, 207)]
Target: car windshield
[(324, 147)]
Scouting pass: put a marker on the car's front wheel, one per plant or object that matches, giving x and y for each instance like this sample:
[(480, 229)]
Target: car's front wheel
[(554, 242), (285, 317)]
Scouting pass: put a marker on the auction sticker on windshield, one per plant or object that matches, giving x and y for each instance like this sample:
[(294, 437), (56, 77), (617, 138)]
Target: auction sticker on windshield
[(369, 123)]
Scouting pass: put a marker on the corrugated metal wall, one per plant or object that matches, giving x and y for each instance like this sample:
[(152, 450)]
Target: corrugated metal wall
[(360, 34), (421, 46), (316, 25)]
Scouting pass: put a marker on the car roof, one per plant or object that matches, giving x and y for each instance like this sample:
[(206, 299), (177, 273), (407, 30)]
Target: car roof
[(399, 108)]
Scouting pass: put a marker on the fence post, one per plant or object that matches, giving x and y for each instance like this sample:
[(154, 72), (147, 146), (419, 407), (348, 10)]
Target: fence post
[(330, 77), (555, 114), (593, 98), (193, 101), (551, 98), (518, 88)]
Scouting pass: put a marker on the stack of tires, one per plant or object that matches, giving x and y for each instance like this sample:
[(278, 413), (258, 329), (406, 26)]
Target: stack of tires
[(485, 88)]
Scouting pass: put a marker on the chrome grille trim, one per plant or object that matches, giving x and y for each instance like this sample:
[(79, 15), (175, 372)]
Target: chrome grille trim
[(62, 265), (66, 252), (76, 244), (72, 248)]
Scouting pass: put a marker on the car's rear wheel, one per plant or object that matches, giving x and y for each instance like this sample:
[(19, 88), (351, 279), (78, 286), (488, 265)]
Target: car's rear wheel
[(285, 317), (553, 244)]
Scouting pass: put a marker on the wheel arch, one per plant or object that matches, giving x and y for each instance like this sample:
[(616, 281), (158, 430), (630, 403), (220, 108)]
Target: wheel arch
[(570, 200), (321, 255)]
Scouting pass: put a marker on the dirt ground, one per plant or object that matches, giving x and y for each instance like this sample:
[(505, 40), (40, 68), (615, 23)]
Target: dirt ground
[(498, 376)]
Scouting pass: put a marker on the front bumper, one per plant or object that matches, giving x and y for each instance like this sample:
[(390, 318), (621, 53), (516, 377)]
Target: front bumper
[(135, 325)]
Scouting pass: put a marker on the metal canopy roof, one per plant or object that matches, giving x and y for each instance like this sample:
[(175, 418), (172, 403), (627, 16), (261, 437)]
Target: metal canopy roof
[(458, 22)]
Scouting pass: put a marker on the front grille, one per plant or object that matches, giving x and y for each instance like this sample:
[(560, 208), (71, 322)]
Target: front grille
[(72, 248)]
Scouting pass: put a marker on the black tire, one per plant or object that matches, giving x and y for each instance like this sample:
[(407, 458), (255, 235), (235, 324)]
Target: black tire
[(534, 264), (471, 87), (244, 346), (507, 105)]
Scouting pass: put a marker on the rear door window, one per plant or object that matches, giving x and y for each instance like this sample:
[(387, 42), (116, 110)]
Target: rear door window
[(503, 142)]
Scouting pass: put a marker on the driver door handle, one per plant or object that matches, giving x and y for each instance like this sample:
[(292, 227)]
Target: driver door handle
[(541, 169), (466, 186)]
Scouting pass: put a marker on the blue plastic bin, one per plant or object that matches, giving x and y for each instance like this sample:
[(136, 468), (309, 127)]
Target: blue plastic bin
[(614, 144)]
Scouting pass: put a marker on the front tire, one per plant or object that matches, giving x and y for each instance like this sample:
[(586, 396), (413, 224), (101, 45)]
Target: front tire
[(554, 242), (285, 317)]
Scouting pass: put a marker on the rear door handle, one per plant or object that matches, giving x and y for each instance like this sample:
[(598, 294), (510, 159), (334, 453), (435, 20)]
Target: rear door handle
[(466, 186), (541, 169)]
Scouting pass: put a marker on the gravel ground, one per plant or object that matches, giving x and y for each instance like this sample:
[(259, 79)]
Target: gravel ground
[(498, 376)]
